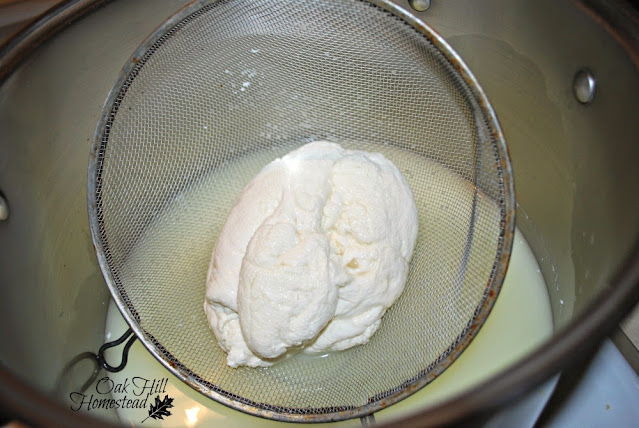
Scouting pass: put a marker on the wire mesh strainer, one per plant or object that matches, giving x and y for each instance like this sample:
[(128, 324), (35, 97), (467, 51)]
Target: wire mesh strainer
[(225, 87)]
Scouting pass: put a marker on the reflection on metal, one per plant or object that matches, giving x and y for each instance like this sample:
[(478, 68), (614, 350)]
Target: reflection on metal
[(62, 386), (21, 44), (583, 86), (368, 420)]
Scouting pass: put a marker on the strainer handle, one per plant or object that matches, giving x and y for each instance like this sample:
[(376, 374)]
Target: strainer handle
[(125, 352)]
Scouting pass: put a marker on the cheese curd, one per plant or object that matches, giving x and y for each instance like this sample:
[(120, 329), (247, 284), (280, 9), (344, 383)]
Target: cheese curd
[(311, 256)]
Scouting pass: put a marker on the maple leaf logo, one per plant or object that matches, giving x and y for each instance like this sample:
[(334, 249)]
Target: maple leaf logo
[(159, 409)]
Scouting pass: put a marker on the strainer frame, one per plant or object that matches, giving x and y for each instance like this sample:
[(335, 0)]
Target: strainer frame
[(128, 73)]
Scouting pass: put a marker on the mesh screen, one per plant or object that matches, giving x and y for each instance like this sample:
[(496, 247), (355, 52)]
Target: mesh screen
[(233, 86)]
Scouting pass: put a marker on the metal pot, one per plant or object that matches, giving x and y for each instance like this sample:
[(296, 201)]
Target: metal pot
[(562, 78)]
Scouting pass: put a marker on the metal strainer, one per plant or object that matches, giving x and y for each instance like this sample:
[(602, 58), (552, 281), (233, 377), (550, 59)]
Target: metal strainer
[(225, 87)]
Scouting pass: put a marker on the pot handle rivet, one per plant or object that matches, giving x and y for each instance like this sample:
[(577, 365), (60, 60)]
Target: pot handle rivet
[(583, 86), (419, 5), (4, 208)]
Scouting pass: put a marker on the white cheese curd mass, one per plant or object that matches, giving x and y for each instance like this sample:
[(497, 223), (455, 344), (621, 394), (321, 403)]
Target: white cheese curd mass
[(312, 254)]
